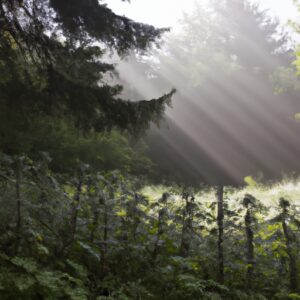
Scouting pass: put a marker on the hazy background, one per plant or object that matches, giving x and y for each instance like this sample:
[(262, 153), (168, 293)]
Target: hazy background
[(166, 13), (237, 93)]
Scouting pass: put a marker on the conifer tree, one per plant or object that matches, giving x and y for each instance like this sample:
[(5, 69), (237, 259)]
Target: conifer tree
[(52, 64)]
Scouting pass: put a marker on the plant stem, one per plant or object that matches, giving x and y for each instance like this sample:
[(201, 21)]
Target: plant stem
[(220, 221)]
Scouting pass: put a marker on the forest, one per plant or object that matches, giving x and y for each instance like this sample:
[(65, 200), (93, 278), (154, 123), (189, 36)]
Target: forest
[(140, 162)]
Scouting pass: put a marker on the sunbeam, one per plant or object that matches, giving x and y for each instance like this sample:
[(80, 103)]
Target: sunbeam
[(225, 104)]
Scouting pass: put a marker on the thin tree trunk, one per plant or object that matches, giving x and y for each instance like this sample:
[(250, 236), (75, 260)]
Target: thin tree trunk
[(76, 205), (220, 221), (137, 220), (94, 224), (18, 198), (187, 225), (74, 217), (292, 259), (160, 232), (183, 231), (249, 247), (104, 242), (95, 214), (105, 231)]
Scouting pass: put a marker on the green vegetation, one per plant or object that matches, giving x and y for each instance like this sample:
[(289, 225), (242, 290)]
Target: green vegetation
[(86, 214), (55, 95), (103, 236)]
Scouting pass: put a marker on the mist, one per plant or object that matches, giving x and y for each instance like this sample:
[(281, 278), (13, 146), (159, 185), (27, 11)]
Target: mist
[(233, 114)]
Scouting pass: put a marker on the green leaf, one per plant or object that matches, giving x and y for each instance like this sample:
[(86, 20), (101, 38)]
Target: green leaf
[(49, 279), (79, 269), (76, 293), (26, 263), (24, 282)]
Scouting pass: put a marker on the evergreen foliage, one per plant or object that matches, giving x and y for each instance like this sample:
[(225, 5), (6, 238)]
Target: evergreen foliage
[(52, 65)]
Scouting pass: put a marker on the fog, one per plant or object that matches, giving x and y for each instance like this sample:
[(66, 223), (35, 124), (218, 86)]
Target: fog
[(233, 113)]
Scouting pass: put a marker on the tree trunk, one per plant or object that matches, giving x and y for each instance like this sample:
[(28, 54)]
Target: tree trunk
[(292, 259), (73, 222), (104, 248), (95, 210), (75, 208), (18, 199), (249, 247), (187, 226), (160, 232), (220, 221)]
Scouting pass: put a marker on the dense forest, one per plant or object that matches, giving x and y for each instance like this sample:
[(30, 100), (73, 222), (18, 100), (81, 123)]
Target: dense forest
[(143, 163)]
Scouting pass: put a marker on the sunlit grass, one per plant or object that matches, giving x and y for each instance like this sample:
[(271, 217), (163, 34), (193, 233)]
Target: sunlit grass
[(266, 194)]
